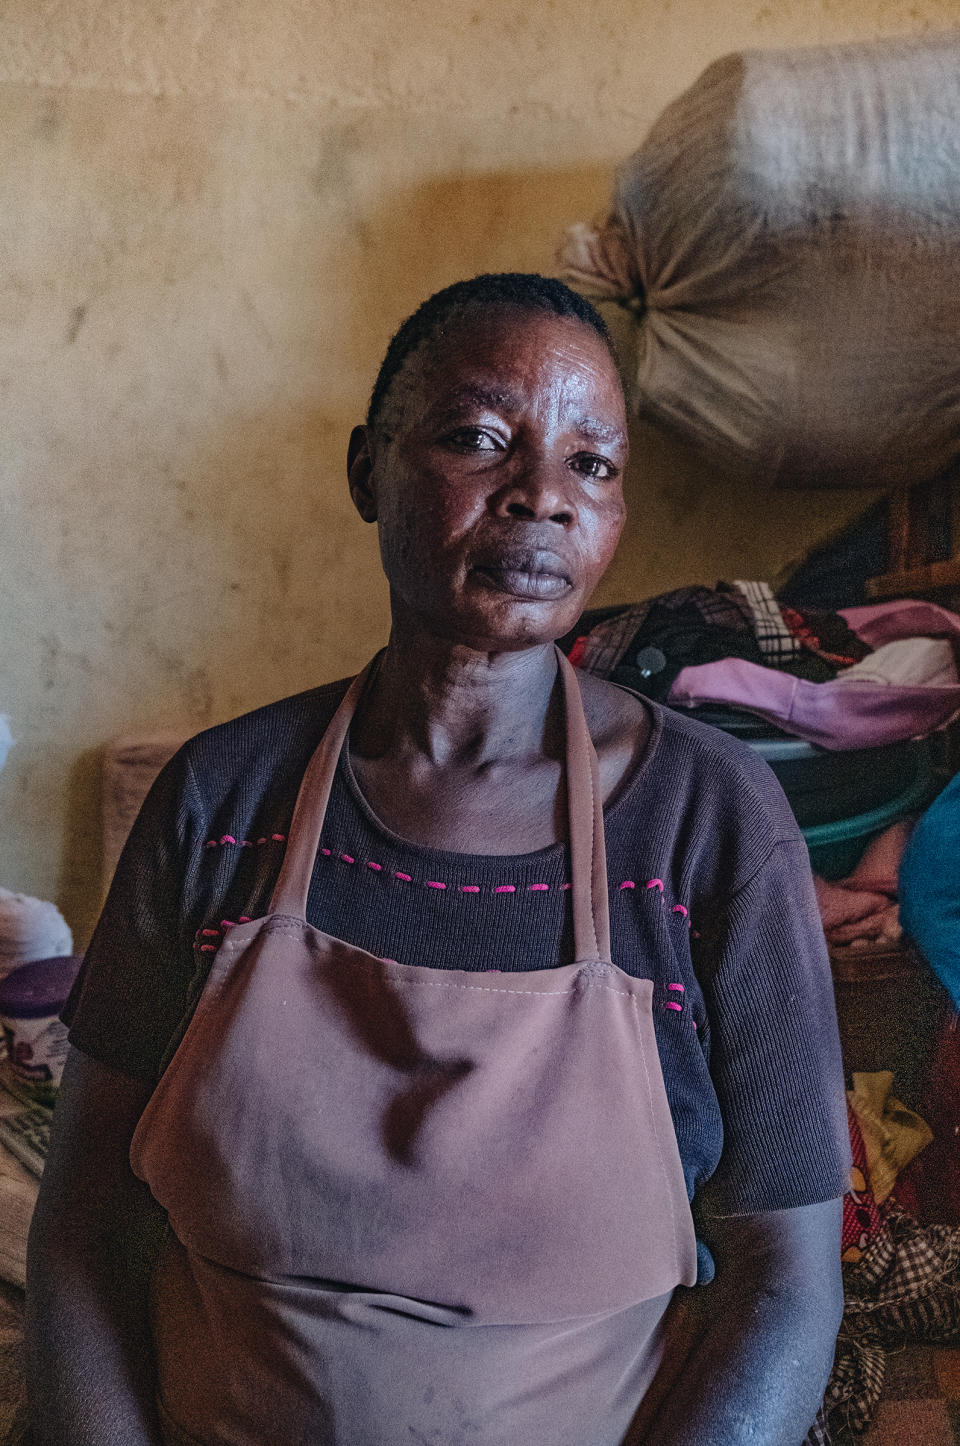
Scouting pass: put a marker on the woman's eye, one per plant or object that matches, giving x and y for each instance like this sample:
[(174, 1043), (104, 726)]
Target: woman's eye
[(590, 465), (472, 439)]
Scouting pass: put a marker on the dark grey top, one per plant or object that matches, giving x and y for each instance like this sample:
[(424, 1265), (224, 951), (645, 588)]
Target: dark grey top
[(710, 897)]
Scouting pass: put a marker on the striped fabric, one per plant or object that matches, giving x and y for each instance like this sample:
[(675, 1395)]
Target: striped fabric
[(776, 640)]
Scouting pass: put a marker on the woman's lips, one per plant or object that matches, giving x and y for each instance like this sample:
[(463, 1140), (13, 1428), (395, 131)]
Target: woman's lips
[(535, 583)]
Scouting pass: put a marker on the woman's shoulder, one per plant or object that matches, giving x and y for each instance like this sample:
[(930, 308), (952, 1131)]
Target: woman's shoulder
[(679, 753), (723, 766), (705, 802), (310, 709), (269, 741)]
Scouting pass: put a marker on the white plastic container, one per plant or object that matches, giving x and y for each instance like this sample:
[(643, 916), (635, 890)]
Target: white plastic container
[(31, 998)]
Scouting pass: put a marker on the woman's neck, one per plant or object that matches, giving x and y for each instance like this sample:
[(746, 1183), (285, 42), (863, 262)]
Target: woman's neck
[(455, 705)]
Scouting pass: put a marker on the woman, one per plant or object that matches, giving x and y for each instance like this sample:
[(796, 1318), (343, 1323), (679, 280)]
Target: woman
[(425, 1153)]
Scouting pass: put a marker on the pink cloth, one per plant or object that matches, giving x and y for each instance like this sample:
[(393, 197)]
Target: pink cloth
[(838, 715), (906, 617), (862, 909)]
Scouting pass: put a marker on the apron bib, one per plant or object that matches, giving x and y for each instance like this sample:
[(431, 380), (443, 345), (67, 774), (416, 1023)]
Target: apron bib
[(409, 1204)]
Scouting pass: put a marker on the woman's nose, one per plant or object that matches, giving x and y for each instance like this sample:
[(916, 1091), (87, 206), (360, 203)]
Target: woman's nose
[(537, 494)]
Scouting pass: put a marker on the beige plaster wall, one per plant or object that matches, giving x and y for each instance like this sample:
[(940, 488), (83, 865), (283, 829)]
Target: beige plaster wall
[(214, 213)]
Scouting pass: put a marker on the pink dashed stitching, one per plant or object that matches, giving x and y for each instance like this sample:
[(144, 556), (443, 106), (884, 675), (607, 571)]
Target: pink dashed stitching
[(437, 884), (243, 843), (208, 948), (658, 884), (677, 986), (671, 1005)]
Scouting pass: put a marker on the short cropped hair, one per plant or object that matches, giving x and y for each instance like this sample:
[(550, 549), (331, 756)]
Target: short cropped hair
[(526, 291)]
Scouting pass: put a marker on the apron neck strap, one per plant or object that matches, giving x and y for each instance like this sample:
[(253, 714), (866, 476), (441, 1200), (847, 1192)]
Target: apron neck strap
[(588, 854), (303, 836), (588, 862)]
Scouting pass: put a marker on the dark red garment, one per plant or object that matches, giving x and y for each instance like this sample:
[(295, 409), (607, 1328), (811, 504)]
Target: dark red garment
[(825, 634), (930, 1186)]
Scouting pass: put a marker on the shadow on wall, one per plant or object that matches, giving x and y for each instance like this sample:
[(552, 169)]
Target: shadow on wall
[(426, 236)]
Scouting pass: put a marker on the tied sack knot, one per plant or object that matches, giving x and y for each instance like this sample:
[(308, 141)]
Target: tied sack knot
[(600, 261)]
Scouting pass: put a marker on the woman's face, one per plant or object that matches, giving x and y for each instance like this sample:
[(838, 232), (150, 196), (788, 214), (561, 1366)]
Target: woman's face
[(495, 477)]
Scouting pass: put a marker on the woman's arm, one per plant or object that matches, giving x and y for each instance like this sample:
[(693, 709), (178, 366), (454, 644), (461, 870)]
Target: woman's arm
[(92, 1244), (749, 1355)]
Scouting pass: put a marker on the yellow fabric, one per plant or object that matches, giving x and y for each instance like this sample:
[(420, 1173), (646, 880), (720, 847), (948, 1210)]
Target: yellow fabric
[(892, 1134)]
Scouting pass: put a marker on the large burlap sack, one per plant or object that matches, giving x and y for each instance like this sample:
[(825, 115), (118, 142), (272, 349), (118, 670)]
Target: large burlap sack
[(789, 234)]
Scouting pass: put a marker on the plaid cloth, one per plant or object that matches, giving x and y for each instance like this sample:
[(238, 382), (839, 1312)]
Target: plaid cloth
[(905, 1289), (600, 650), (777, 642), (602, 645), (699, 624), (852, 1393)]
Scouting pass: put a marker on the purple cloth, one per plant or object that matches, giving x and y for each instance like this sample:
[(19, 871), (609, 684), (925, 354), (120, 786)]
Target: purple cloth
[(837, 715)]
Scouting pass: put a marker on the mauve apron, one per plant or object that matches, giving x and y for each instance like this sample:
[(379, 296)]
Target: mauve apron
[(411, 1205)]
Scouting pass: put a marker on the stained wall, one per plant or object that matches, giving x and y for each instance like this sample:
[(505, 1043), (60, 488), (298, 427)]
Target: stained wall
[(214, 213)]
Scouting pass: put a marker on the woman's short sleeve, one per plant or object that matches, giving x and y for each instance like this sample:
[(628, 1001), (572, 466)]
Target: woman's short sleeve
[(137, 973), (775, 1048)]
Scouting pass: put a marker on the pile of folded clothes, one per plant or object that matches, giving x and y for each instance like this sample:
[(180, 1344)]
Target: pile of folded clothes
[(836, 701), (646, 645), (901, 1277), (860, 677)]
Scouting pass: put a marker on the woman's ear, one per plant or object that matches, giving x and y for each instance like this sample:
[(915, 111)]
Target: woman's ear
[(360, 474)]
